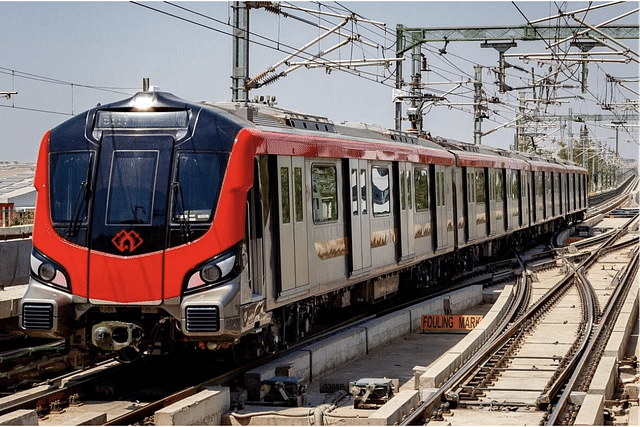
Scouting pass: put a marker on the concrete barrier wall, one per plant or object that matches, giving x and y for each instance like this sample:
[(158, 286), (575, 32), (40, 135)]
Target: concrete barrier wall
[(14, 262)]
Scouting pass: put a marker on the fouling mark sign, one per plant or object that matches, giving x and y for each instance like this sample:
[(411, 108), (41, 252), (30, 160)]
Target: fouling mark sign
[(449, 322)]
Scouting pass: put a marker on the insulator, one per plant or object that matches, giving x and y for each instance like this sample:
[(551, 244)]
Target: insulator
[(272, 79)]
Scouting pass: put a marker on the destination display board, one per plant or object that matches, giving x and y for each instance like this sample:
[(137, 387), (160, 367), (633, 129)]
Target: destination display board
[(449, 322)]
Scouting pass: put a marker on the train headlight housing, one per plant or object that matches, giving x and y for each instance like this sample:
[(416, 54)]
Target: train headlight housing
[(215, 271), (48, 271)]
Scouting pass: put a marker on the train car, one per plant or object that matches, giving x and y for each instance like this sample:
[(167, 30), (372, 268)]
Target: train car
[(161, 222)]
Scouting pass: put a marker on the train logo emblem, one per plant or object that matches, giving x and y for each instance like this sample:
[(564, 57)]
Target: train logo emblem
[(127, 241)]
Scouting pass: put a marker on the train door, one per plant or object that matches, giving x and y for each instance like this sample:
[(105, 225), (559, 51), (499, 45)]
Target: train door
[(440, 206), (470, 203), (255, 235), (360, 226), (129, 228), (407, 235), (292, 225)]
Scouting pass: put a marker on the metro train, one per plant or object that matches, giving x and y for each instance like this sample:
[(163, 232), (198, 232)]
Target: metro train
[(161, 222)]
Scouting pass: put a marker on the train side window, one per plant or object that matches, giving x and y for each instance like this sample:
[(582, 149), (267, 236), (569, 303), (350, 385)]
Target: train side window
[(297, 187), (409, 204), (440, 199), (421, 178), (471, 193), (363, 193), (380, 186), (324, 182), (403, 204), (515, 188), (539, 184), (498, 186), (480, 187), (284, 195), (354, 191)]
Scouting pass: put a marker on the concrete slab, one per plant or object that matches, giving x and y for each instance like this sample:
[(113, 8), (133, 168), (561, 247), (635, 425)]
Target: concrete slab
[(14, 262), (87, 419), (591, 412), (10, 299), (336, 351), (21, 417), (387, 328), (605, 377), (501, 396), (616, 345), (396, 409), (204, 408)]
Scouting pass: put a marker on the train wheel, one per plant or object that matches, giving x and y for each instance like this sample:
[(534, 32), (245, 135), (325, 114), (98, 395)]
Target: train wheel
[(271, 339)]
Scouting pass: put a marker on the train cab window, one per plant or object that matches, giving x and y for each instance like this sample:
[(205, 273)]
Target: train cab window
[(297, 187), (421, 182), (69, 186), (324, 184), (380, 186), (480, 187), (196, 191), (284, 195), (131, 187)]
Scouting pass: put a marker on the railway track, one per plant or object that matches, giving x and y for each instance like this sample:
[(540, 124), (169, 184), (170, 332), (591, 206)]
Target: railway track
[(518, 366)]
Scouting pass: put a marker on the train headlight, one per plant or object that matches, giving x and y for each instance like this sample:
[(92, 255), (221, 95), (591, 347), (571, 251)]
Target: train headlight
[(217, 270), (48, 271), (211, 273)]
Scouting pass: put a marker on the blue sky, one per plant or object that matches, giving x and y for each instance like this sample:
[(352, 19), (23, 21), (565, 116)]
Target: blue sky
[(65, 57)]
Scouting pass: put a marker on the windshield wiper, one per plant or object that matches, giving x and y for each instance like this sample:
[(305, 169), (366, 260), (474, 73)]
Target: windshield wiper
[(183, 217), (78, 208)]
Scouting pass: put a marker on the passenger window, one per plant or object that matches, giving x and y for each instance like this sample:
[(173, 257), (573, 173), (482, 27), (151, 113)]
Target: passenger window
[(284, 195), (409, 190), (480, 187), (354, 191), (380, 186), (297, 184), (471, 193), (363, 183), (324, 183), (442, 189), (499, 186), (422, 189), (403, 204)]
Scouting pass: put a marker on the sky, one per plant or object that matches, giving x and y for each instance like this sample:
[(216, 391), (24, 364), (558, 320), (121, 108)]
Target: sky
[(63, 58)]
